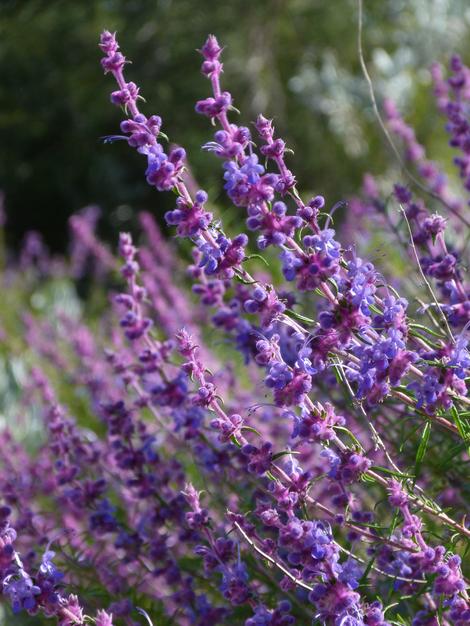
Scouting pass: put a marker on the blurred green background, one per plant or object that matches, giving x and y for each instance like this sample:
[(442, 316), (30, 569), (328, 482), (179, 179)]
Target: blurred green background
[(294, 60)]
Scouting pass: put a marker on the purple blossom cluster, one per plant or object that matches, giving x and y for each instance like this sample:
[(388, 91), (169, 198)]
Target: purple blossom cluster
[(288, 486)]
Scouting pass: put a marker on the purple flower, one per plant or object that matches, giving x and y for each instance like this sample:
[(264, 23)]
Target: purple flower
[(70, 611), (432, 391), (460, 357), (103, 519), (213, 107), (114, 61), (313, 427), (394, 314), (274, 225), (359, 287), (351, 572), (385, 361), (374, 615), (259, 459), (163, 171), (459, 610), (234, 584), (397, 496), (198, 517), (229, 145), (191, 219), (48, 569), (21, 590), (104, 619), (319, 540), (279, 375), (224, 256), (320, 262), (346, 467), (247, 184), (280, 616), (228, 428), (211, 52), (172, 392), (449, 577), (265, 302), (337, 604)]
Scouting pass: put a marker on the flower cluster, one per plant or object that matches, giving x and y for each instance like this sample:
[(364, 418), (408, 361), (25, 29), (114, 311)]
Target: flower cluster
[(318, 479)]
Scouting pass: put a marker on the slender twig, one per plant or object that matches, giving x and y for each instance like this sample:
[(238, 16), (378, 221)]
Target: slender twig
[(423, 275), (269, 558)]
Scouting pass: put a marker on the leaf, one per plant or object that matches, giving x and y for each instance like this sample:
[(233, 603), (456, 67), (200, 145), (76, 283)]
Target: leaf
[(423, 444), (244, 281), (368, 567), (375, 309), (425, 329), (250, 429), (348, 432), (405, 391), (256, 256), (385, 470), (408, 436), (235, 441), (278, 455), (337, 371), (463, 430), (453, 452), (300, 317), (394, 523)]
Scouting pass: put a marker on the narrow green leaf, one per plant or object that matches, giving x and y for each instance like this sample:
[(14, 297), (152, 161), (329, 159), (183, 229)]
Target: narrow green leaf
[(363, 578), (256, 256), (463, 429), (278, 455), (245, 282), (235, 441), (337, 372), (423, 444), (425, 329), (250, 429), (343, 429), (385, 470), (300, 317)]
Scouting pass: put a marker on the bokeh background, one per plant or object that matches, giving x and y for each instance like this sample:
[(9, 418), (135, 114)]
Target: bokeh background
[(294, 60)]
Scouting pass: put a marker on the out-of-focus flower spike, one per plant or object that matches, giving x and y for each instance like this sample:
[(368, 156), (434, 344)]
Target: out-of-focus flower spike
[(104, 619)]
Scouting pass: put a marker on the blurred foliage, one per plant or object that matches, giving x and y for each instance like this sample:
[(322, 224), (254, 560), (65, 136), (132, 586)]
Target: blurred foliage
[(294, 60)]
